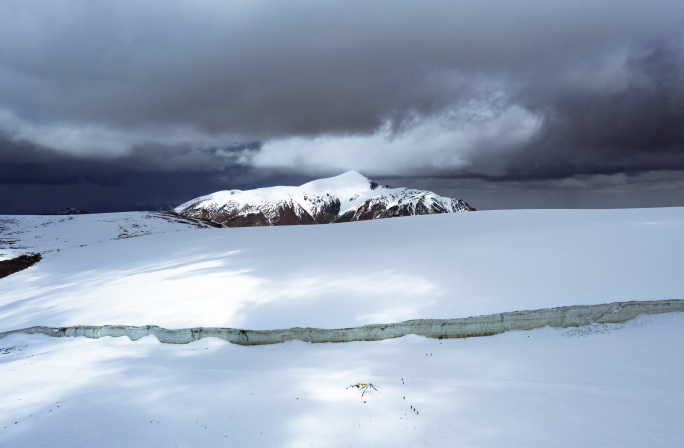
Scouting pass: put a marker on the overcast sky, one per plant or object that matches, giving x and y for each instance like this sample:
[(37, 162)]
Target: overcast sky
[(123, 105)]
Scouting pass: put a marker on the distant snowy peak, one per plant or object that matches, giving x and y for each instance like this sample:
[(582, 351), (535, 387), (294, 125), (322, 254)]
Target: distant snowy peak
[(71, 211), (344, 198)]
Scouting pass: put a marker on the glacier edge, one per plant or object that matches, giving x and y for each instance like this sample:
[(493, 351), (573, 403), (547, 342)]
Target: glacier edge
[(486, 325)]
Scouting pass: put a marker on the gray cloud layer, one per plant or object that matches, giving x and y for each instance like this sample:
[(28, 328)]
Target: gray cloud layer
[(496, 90)]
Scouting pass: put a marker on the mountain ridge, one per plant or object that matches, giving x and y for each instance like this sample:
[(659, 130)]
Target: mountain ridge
[(344, 198)]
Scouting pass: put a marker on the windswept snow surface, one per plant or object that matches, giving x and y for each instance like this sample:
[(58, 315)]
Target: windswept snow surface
[(616, 386), (20, 234), (436, 266)]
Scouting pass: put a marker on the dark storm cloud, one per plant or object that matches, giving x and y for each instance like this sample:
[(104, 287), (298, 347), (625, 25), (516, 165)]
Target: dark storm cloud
[(637, 127), (628, 119), (275, 69), (35, 180), (22, 162), (647, 189), (497, 91)]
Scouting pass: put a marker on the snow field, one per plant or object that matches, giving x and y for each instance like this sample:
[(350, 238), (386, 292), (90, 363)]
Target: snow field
[(346, 275), (620, 386), (37, 233)]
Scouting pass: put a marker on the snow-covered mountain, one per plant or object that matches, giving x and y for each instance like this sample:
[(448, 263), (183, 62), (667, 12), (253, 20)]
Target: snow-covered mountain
[(344, 198), (70, 211)]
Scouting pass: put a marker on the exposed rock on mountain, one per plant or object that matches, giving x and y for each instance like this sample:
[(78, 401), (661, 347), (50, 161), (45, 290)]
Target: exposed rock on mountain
[(20, 263), (71, 211), (344, 198)]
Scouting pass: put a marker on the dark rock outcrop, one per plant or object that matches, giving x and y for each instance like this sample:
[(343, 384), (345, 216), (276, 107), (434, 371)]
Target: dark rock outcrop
[(8, 267)]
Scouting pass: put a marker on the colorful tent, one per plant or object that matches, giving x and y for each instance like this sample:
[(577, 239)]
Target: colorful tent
[(365, 387)]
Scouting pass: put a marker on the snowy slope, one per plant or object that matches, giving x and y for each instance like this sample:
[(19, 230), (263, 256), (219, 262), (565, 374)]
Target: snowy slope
[(347, 197), (21, 234), (437, 266)]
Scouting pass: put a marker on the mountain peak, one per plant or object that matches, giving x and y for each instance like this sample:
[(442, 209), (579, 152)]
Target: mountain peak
[(347, 197), (344, 184)]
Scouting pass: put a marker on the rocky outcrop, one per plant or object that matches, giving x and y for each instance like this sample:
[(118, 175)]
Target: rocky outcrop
[(416, 203), (562, 317), (71, 211), (8, 267)]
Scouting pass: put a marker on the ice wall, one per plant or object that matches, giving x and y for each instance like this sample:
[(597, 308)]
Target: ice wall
[(562, 317)]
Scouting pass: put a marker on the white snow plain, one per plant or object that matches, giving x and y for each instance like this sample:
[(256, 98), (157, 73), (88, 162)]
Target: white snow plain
[(21, 234), (607, 385), (343, 275)]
